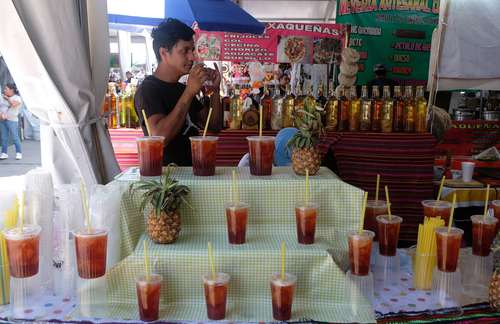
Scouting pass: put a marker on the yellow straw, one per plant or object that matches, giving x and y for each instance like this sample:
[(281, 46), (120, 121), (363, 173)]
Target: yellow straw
[(388, 202), (307, 186), (208, 120), (236, 192), (146, 260), (211, 260), (283, 252), (146, 122), (21, 210), (452, 211), (486, 201), (260, 120), (378, 186), (85, 204), (363, 210), (441, 188)]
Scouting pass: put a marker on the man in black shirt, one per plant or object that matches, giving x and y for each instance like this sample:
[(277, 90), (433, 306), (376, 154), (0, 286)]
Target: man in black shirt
[(172, 109)]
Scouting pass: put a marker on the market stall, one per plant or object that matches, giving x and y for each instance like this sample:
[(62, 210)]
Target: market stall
[(256, 243)]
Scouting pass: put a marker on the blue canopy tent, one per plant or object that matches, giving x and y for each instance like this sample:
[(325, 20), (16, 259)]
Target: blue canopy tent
[(210, 15)]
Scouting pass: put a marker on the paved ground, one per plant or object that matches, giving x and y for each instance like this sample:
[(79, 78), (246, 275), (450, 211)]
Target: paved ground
[(31, 159)]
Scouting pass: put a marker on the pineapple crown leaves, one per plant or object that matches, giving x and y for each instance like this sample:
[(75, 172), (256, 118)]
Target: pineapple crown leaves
[(308, 122), (165, 195)]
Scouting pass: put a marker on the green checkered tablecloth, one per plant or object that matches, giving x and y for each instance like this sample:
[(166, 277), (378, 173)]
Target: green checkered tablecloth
[(320, 285)]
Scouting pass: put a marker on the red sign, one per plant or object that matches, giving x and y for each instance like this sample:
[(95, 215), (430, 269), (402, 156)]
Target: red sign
[(470, 137), (280, 43)]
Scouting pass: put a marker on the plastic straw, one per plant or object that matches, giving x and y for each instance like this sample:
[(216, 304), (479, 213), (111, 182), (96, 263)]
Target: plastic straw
[(452, 211), (283, 252), (307, 187), (211, 260), (146, 122), (388, 203), (486, 202), (440, 188), (146, 260), (363, 210), (21, 210), (208, 121), (235, 192), (260, 120), (83, 193), (378, 186)]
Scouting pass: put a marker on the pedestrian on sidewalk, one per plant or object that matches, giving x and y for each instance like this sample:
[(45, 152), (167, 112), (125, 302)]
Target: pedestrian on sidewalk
[(9, 121)]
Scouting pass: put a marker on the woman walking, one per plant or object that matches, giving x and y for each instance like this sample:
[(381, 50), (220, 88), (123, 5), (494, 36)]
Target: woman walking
[(9, 122)]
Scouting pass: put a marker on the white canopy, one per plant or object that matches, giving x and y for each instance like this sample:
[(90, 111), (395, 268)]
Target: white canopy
[(470, 46), (57, 52)]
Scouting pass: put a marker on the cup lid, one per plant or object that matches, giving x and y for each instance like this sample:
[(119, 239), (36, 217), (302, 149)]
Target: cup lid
[(234, 205), (93, 232), (260, 138), (150, 138), (386, 220), (376, 203), (436, 204), (220, 279), (308, 205), (453, 231), (27, 230), (203, 138), (288, 280), (365, 234), (483, 220), (153, 277)]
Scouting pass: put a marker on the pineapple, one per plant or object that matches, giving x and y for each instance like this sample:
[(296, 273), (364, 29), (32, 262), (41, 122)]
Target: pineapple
[(494, 293), (305, 155), (165, 197)]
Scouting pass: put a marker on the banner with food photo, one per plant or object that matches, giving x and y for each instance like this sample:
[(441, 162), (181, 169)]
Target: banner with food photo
[(281, 42)]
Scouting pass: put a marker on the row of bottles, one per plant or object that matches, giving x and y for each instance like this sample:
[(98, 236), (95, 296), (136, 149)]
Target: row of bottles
[(401, 113), (119, 109)]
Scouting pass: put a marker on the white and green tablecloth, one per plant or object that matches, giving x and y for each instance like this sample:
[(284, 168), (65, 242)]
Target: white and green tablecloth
[(320, 268)]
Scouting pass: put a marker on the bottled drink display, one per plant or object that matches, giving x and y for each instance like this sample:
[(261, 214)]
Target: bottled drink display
[(387, 111), (377, 104), (366, 110)]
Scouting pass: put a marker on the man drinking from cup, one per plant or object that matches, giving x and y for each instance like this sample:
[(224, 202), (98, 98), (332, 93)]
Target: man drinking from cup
[(172, 109)]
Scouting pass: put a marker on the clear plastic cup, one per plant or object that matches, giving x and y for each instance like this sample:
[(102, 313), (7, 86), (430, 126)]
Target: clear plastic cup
[(305, 218), (261, 150), (148, 296), (237, 217), (374, 208), (434, 208), (448, 248), (203, 154), (91, 252), (483, 234), (150, 150), (282, 290), (467, 171), (23, 250), (360, 250), (216, 295), (388, 234)]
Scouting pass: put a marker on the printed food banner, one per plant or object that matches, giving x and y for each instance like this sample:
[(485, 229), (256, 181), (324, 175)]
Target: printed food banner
[(396, 33), (280, 43)]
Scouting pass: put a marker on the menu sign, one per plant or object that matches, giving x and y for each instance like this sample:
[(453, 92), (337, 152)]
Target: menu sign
[(280, 43)]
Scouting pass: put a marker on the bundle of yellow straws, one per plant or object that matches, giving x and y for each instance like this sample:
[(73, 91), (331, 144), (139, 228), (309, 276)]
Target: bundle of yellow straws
[(425, 255)]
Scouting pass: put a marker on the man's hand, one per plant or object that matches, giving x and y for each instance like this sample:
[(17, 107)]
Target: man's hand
[(197, 76), (216, 77)]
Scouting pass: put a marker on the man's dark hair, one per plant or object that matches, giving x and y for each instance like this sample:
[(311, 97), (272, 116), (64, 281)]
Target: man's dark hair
[(168, 33), (12, 86)]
